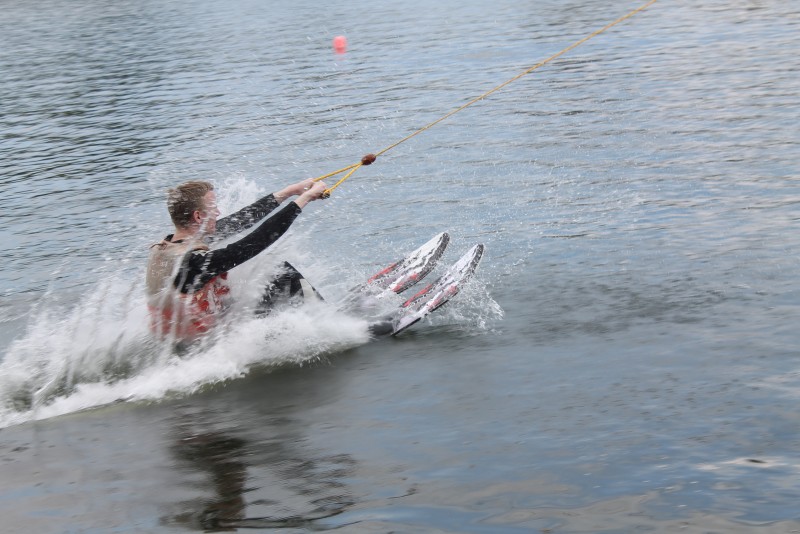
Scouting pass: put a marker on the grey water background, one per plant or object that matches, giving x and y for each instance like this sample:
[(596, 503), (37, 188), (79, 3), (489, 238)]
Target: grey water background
[(638, 199)]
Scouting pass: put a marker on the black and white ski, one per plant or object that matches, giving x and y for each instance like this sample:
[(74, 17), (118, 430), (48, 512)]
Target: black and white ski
[(439, 292), (406, 272)]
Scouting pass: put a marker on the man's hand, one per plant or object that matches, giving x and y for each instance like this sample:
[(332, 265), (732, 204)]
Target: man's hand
[(313, 191), (294, 190)]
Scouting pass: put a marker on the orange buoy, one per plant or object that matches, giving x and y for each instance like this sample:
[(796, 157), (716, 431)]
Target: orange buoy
[(340, 44)]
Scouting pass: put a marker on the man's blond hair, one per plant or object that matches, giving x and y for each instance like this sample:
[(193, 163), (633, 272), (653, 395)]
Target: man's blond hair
[(185, 199)]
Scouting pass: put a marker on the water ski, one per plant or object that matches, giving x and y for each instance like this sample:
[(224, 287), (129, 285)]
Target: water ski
[(405, 272), (439, 292), (408, 271)]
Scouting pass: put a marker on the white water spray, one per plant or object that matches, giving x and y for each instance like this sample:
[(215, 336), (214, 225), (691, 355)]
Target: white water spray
[(99, 350)]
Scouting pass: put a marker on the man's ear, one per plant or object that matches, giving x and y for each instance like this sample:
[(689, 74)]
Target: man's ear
[(197, 217)]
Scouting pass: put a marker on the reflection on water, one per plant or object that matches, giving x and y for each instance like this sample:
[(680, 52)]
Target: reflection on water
[(269, 482), (219, 456)]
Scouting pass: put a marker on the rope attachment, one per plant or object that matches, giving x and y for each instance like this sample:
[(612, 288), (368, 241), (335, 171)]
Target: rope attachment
[(369, 159)]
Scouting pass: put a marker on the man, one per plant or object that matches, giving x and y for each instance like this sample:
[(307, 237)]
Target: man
[(187, 288)]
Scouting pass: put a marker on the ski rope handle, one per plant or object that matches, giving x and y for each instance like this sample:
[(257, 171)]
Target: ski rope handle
[(370, 158)]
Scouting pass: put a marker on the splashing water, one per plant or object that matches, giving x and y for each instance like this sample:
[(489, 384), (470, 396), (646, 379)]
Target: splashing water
[(99, 350)]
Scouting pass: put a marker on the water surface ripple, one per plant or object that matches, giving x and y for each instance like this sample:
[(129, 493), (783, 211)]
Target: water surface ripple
[(627, 358)]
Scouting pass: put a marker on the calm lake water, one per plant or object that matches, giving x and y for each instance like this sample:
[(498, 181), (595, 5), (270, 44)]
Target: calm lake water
[(626, 358)]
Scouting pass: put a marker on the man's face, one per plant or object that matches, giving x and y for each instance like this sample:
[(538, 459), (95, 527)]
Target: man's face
[(209, 214)]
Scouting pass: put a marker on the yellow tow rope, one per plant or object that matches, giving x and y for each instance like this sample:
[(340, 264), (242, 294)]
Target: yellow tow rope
[(370, 158)]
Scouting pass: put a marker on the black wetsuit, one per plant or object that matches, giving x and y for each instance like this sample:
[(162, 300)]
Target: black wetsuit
[(200, 266)]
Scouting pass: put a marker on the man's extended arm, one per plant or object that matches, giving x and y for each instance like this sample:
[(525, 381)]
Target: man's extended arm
[(248, 216), (200, 266), (245, 217)]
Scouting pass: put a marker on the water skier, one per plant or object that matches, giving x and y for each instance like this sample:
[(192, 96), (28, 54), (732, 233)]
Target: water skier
[(187, 287)]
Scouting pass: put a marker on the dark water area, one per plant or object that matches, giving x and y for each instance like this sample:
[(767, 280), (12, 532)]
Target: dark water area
[(626, 358)]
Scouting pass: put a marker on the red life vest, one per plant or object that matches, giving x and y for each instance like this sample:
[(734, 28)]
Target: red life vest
[(173, 313)]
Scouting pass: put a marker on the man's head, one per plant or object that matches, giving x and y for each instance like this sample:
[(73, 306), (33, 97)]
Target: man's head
[(193, 205)]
